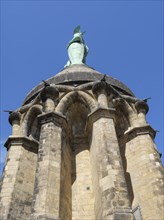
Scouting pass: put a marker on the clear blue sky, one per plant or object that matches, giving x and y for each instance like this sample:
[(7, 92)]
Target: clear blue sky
[(125, 40)]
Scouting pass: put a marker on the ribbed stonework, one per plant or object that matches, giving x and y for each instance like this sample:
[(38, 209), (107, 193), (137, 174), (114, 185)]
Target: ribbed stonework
[(81, 149)]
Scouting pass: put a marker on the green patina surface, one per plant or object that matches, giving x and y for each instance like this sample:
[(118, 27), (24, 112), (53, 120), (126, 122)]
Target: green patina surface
[(77, 49)]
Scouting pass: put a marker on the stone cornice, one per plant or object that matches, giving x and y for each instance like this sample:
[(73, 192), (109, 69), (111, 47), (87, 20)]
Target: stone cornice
[(56, 118), (27, 143), (100, 113), (136, 131)]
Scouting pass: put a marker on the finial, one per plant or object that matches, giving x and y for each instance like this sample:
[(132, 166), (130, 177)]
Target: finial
[(104, 78), (145, 100), (77, 30), (9, 111), (77, 49), (45, 83)]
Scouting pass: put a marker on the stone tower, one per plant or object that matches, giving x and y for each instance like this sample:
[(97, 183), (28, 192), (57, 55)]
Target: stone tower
[(81, 149)]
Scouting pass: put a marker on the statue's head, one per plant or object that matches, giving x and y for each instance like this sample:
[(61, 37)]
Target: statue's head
[(78, 31), (77, 35)]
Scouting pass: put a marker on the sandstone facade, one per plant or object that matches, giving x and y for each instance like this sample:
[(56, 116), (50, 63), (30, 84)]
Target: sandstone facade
[(81, 149)]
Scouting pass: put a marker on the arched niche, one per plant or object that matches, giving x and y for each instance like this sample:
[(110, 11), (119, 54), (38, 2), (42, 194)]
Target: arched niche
[(76, 115), (76, 106), (30, 126), (72, 97)]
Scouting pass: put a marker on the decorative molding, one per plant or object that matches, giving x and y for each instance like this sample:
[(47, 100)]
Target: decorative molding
[(142, 106), (27, 143), (55, 117), (100, 113), (100, 86), (71, 97), (49, 92), (133, 132), (14, 117)]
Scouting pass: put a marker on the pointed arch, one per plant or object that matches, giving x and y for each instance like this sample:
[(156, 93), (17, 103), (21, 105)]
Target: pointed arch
[(29, 118), (72, 97)]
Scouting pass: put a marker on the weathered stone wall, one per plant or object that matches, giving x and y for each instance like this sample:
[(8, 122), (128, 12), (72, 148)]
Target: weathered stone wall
[(82, 188), (93, 162), (18, 181), (47, 183), (65, 208), (111, 196), (122, 125), (142, 165), (82, 191), (94, 154), (146, 173)]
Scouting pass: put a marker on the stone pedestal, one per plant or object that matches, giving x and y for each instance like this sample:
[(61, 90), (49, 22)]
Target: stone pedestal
[(111, 196), (146, 171), (18, 178)]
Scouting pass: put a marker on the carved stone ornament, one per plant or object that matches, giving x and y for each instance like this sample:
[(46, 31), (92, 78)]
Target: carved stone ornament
[(99, 86), (142, 106), (14, 116), (49, 92)]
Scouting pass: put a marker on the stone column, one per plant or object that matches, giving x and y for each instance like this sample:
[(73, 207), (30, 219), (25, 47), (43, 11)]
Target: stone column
[(142, 109), (145, 167), (111, 196), (48, 177), (51, 166), (17, 183), (100, 90), (14, 120), (49, 96)]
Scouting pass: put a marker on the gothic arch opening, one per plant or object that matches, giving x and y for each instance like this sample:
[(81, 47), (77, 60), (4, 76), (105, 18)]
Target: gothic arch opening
[(72, 97), (76, 110), (30, 125)]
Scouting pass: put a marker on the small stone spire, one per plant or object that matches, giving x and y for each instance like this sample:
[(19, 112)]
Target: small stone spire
[(77, 49)]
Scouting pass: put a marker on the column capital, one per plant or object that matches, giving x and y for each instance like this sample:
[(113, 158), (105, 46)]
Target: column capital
[(98, 87), (57, 118), (14, 117), (101, 113), (27, 143), (142, 106), (134, 132), (49, 92)]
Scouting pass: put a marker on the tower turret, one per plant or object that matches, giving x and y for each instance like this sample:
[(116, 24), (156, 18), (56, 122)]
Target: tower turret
[(81, 149)]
